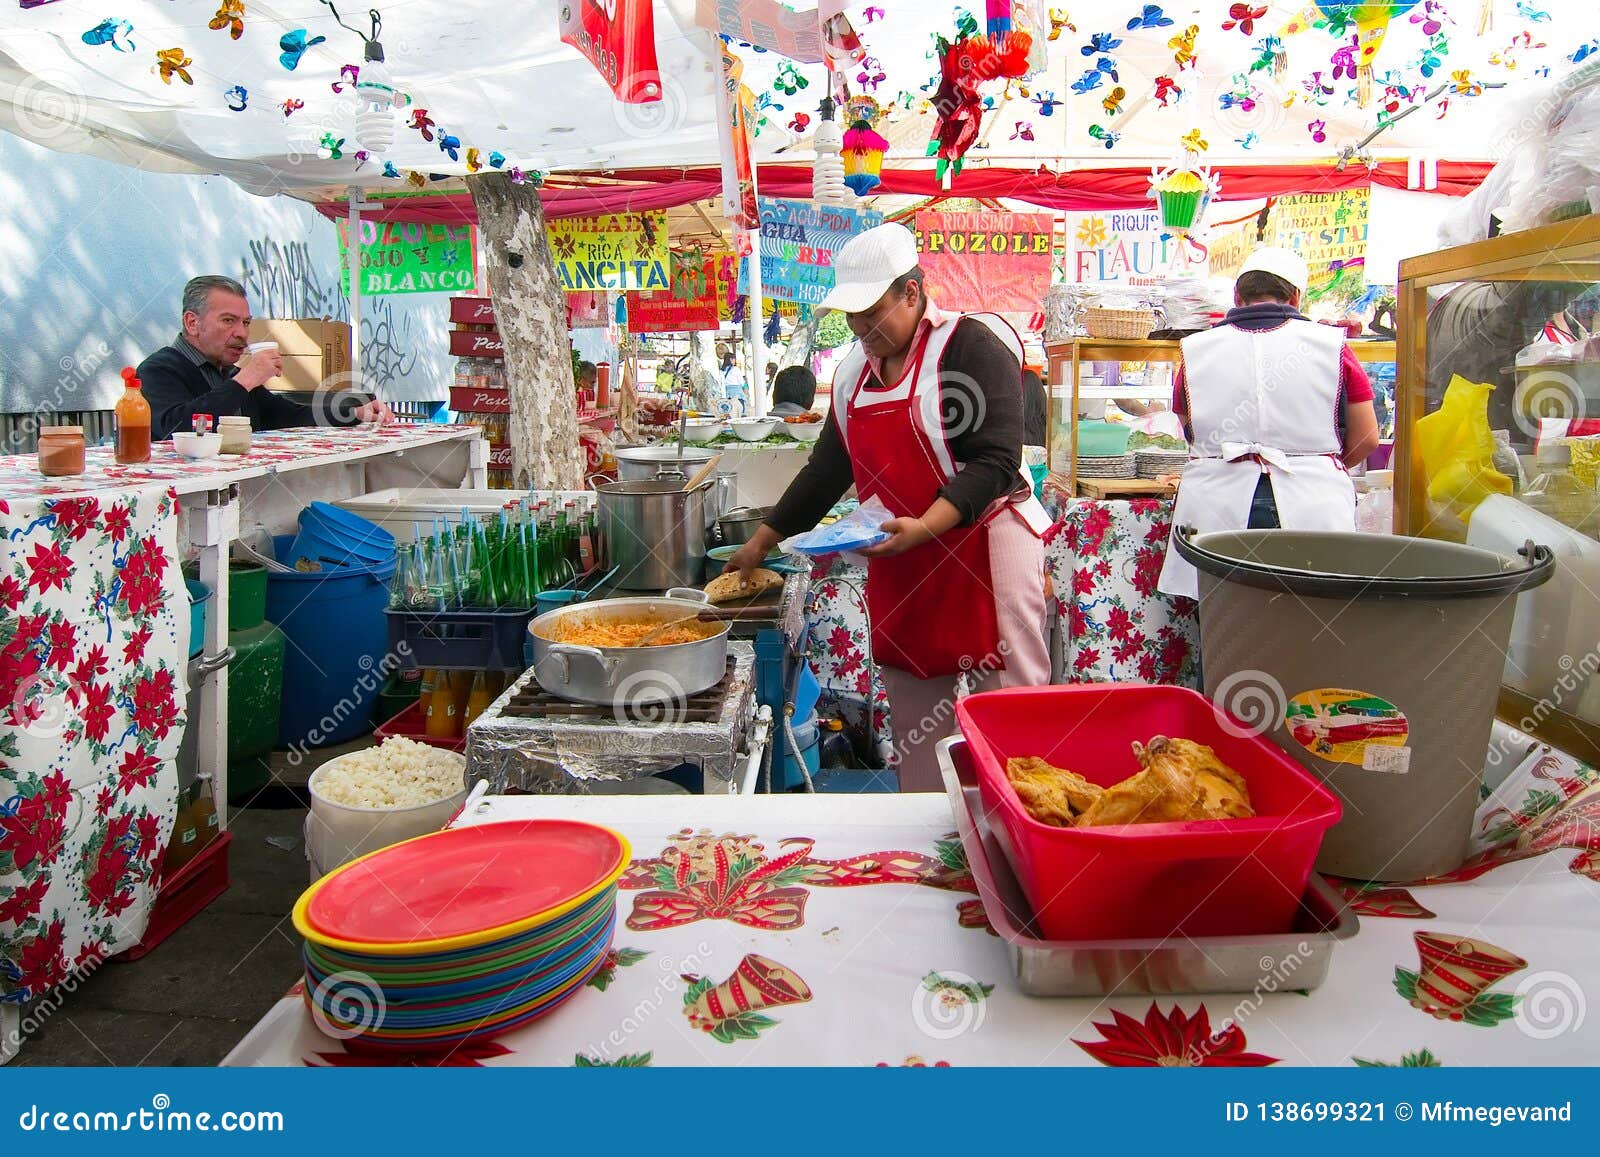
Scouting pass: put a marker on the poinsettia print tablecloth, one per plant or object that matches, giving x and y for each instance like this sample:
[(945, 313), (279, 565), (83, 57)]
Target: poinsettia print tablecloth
[(20, 480), (1104, 558), (845, 930), (94, 629), (840, 650)]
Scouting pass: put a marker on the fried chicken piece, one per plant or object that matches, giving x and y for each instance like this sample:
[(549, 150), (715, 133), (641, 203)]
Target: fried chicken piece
[(1052, 795), (1163, 792), (1223, 791)]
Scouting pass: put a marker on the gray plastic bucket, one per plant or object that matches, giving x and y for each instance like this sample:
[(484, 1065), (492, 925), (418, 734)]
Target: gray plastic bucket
[(1373, 660)]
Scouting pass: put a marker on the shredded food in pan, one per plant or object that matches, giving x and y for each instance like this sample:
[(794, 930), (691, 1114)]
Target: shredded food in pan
[(628, 634)]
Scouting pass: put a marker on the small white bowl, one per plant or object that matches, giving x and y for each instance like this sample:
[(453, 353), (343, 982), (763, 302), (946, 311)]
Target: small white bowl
[(191, 445), (701, 431), (755, 429), (805, 431)]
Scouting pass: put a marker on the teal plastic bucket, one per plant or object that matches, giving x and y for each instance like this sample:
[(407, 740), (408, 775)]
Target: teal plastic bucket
[(199, 599), (333, 670)]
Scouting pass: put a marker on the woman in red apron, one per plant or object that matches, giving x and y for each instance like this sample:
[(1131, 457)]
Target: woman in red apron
[(927, 418)]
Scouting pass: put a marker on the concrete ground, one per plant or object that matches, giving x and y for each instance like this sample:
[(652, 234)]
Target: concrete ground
[(193, 998)]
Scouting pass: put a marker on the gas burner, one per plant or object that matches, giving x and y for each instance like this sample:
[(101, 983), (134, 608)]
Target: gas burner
[(532, 701)]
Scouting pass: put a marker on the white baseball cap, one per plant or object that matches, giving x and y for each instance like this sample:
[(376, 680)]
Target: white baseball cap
[(868, 265), (1279, 262)]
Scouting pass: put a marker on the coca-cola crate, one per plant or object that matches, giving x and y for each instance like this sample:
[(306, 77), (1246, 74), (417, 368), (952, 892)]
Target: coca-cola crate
[(471, 311), (499, 456), (468, 400), (465, 344)]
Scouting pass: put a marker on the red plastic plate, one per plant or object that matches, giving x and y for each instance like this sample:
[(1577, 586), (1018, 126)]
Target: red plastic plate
[(462, 886)]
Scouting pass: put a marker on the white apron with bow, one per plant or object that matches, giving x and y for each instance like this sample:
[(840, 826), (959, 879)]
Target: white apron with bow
[(1261, 402)]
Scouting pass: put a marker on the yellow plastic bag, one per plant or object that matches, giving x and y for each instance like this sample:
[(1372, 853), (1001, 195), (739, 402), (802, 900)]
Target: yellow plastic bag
[(1456, 449)]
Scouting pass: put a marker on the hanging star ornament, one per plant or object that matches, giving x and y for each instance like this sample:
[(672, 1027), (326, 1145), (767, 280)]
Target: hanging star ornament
[(1194, 142), (1105, 136), (1151, 17), (348, 76), (237, 98), (1182, 47), (1319, 131), (1047, 102), (294, 45), (1088, 82), (330, 147), (1243, 17), (230, 16), (1060, 22), (1100, 42), (1022, 132), (1167, 90), (1112, 101), (174, 62), (113, 31), (423, 123)]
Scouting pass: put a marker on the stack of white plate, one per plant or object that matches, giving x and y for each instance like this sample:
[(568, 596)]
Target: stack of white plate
[(1155, 463), (1109, 466)]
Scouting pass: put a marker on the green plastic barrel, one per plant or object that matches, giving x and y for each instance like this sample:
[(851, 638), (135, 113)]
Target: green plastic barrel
[(247, 595), (255, 686)]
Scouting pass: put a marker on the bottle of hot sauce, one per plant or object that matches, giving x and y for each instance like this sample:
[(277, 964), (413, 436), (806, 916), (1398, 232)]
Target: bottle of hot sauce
[(133, 422)]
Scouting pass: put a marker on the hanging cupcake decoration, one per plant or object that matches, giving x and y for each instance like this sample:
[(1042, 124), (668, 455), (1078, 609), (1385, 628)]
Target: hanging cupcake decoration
[(1182, 191), (864, 146)]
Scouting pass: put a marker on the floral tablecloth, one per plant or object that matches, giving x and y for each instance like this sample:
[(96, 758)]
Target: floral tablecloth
[(94, 629), (1104, 559), (840, 651), (806, 930), (20, 479)]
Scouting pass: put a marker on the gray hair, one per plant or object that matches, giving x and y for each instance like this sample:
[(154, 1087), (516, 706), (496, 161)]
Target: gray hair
[(196, 293)]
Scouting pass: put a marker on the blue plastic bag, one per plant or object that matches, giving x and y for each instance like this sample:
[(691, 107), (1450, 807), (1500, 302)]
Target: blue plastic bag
[(857, 530)]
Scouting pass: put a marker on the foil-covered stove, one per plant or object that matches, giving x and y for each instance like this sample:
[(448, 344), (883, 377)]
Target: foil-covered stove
[(534, 743)]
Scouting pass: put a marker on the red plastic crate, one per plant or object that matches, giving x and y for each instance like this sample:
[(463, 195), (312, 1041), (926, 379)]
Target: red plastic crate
[(412, 723), (1146, 881), (184, 896)]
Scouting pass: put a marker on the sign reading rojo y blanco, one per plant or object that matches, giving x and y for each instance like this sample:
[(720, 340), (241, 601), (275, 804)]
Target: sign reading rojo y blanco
[(620, 251), (409, 257), (991, 261), (619, 38)]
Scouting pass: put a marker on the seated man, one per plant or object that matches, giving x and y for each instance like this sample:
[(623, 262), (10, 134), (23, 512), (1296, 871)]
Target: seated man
[(794, 392), (205, 371)]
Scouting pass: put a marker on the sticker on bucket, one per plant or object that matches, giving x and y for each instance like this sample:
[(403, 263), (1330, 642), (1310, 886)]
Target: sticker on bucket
[(1345, 726)]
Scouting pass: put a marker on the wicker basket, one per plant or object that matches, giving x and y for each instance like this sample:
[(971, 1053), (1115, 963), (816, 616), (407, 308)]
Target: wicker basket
[(1119, 323)]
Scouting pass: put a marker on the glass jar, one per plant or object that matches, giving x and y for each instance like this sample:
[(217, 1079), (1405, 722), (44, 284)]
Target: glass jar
[(61, 451), (235, 433)]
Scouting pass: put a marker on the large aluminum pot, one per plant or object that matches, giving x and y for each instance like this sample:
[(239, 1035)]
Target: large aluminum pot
[(644, 463), (654, 532), (629, 676)]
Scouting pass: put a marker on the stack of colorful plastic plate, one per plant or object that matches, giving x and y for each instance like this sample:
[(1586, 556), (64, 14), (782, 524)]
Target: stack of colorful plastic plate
[(459, 934)]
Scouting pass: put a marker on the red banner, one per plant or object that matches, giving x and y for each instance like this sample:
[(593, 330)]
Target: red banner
[(995, 262), (471, 310), (691, 303), (467, 344), (619, 38)]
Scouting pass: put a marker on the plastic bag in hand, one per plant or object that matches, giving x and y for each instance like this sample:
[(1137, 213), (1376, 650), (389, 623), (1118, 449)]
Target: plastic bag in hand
[(855, 531)]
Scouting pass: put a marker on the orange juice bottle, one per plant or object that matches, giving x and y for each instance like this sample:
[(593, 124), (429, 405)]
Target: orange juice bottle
[(133, 422), (478, 701), (460, 690), (443, 722)]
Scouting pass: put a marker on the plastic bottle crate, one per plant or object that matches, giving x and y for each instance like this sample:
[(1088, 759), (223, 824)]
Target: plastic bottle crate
[(184, 895), (476, 640), (412, 723)]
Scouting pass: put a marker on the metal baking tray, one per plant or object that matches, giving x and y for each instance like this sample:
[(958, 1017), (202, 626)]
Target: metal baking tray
[(1293, 961)]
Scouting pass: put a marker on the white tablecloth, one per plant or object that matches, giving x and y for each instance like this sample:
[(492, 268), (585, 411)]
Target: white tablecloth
[(848, 926)]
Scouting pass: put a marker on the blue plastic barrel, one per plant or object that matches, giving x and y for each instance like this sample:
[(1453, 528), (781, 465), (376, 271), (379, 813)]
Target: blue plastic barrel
[(199, 599), (336, 537), (338, 637)]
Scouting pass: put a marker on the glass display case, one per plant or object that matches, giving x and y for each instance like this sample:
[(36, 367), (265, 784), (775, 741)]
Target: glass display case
[(1498, 442), (1086, 375)]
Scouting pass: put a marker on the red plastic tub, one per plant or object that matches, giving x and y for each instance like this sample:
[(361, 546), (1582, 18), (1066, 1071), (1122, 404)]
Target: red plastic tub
[(1142, 881), (412, 723)]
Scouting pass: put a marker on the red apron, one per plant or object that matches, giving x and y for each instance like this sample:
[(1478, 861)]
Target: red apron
[(933, 608)]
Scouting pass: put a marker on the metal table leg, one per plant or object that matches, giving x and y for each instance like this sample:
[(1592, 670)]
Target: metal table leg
[(213, 524), (10, 1031)]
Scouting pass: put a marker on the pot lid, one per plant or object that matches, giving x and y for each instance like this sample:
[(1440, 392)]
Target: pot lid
[(664, 454)]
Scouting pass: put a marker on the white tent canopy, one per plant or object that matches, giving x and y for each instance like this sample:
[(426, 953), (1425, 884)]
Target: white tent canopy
[(496, 76)]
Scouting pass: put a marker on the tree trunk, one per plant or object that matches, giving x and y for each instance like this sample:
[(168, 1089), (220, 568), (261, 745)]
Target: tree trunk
[(706, 391), (530, 311), (801, 342)]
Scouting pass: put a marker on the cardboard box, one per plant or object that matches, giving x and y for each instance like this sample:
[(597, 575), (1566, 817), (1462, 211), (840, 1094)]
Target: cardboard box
[(471, 311), (465, 344), (315, 351)]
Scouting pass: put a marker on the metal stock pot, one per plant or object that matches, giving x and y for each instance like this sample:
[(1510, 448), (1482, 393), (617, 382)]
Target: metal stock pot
[(654, 532), (629, 676)]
